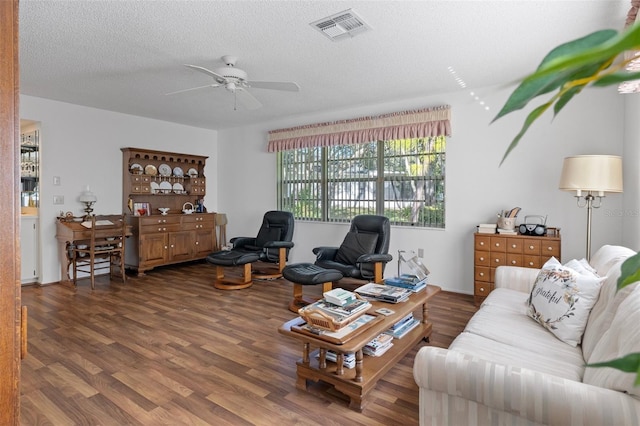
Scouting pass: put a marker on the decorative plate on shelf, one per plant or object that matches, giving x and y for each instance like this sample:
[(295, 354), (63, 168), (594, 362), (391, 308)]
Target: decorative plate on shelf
[(165, 187), (151, 170), (155, 188), (136, 169), (178, 188), (193, 173), (165, 170), (177, 171)]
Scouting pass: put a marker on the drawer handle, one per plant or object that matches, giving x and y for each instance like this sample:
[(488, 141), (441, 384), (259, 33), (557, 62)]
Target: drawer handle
[(497, 260), (513, 262), (481, 274), (497, 244), (197, 242), (530, 247), (549, 248), (481, 289), (530, 263), (482, 259), (514, 245), (481, 243)]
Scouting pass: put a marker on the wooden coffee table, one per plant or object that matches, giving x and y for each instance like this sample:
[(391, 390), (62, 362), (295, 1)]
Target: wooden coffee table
[(357, 382)]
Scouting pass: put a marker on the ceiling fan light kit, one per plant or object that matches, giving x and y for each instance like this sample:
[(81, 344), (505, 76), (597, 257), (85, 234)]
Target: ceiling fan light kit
[(236, 81)]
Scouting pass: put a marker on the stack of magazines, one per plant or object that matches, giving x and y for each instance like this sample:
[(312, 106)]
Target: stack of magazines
[(348, 360), (384, 293), (339, 314), (408, 281), (402, 327), (379, 345)]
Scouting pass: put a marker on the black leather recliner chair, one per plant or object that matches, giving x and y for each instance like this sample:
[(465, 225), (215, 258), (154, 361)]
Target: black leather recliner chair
[(364, 252), (271, 247)]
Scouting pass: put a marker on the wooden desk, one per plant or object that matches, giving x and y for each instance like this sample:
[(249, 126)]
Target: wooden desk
[(357, 382), (74, 233)]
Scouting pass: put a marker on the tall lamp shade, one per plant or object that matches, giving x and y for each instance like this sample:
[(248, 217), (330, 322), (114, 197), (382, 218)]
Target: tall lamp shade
[(591, 176), (595, 173)]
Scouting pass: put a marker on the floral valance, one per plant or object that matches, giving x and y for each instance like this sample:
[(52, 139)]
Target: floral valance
[(399, 125)]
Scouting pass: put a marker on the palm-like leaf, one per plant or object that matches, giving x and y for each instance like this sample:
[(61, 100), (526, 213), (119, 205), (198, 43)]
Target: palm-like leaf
[(569, 68)]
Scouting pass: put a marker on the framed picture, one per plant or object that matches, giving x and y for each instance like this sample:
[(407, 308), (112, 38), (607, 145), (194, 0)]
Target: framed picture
[(141, 209)]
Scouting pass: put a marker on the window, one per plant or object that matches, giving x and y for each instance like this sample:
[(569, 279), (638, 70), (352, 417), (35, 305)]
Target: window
[(402, 179)]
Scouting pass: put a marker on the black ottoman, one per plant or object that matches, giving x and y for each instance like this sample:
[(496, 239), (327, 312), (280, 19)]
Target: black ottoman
[(228, 258), (301, 274)]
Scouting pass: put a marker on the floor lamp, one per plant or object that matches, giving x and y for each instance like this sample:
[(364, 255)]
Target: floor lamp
[(590, 176)]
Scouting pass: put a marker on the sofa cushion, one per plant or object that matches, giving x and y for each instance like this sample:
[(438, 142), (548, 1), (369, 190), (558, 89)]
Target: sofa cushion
[(562, 298), (620, 339), (603, 311), (356, 244), (516, 329), (506, 298), (561, 364), (607, 257)]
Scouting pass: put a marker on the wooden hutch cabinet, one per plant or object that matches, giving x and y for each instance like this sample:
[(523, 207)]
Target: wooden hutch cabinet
[(156, 179), (493, 250)]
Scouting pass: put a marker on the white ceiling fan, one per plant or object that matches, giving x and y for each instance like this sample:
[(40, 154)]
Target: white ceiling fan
[(235, 80)]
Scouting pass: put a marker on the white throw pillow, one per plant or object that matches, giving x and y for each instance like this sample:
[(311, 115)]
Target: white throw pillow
[(562, 298), (581, 266)]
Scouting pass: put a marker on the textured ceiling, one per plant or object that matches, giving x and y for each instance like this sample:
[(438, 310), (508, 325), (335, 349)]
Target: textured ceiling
[(125, 55)]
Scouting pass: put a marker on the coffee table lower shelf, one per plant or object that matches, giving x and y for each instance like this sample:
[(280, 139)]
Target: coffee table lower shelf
[(373, 368)]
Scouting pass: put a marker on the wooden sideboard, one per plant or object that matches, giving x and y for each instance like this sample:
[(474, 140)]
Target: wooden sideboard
[(493, 250), (162, 240), (169, 180)]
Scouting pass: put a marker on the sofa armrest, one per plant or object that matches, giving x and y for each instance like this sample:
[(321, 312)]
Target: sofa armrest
[(469, 388), (516, 278)]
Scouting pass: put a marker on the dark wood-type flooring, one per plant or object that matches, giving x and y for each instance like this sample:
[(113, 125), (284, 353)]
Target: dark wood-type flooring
[(167, 348)]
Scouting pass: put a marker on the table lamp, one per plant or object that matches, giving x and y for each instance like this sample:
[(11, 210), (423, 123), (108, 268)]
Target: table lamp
[(590, 176), (88, 198)]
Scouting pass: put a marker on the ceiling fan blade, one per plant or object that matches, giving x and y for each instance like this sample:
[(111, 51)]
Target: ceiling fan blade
[(275, 85), (218, 77), (193, 88), (246, 99)]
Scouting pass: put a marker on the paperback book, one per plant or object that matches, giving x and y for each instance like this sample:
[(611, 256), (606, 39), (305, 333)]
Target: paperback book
[(407, 281), (402, 331), (379, 345), (384, 293), (338, 313), (339, 296), (487, 228), (348, 360)]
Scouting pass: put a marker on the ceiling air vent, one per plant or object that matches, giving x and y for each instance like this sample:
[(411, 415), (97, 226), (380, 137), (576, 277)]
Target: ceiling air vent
[(341, 25)]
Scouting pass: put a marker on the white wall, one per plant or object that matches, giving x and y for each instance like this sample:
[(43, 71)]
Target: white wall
[(631, 212), (82, 145), (476, 188)]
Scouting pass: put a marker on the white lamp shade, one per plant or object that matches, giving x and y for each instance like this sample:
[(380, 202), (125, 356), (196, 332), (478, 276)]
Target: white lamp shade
[(87, 197), (596, 173)]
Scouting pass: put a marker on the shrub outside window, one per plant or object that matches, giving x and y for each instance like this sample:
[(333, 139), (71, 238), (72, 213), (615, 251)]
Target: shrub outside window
[(403, 179)]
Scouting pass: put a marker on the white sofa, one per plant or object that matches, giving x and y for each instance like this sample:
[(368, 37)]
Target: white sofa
[(505, 368)]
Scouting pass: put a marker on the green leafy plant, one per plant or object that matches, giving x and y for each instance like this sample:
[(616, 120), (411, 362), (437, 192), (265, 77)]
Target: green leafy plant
[(594, 60), (569, 68)]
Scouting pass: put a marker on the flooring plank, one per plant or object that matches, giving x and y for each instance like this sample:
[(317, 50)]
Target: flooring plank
[(167, 348)]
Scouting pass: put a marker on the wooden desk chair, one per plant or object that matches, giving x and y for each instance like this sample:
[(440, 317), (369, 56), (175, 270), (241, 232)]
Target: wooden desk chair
[(104, 249)]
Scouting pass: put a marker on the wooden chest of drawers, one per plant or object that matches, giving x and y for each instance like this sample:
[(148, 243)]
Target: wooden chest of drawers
[(493, 250)]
